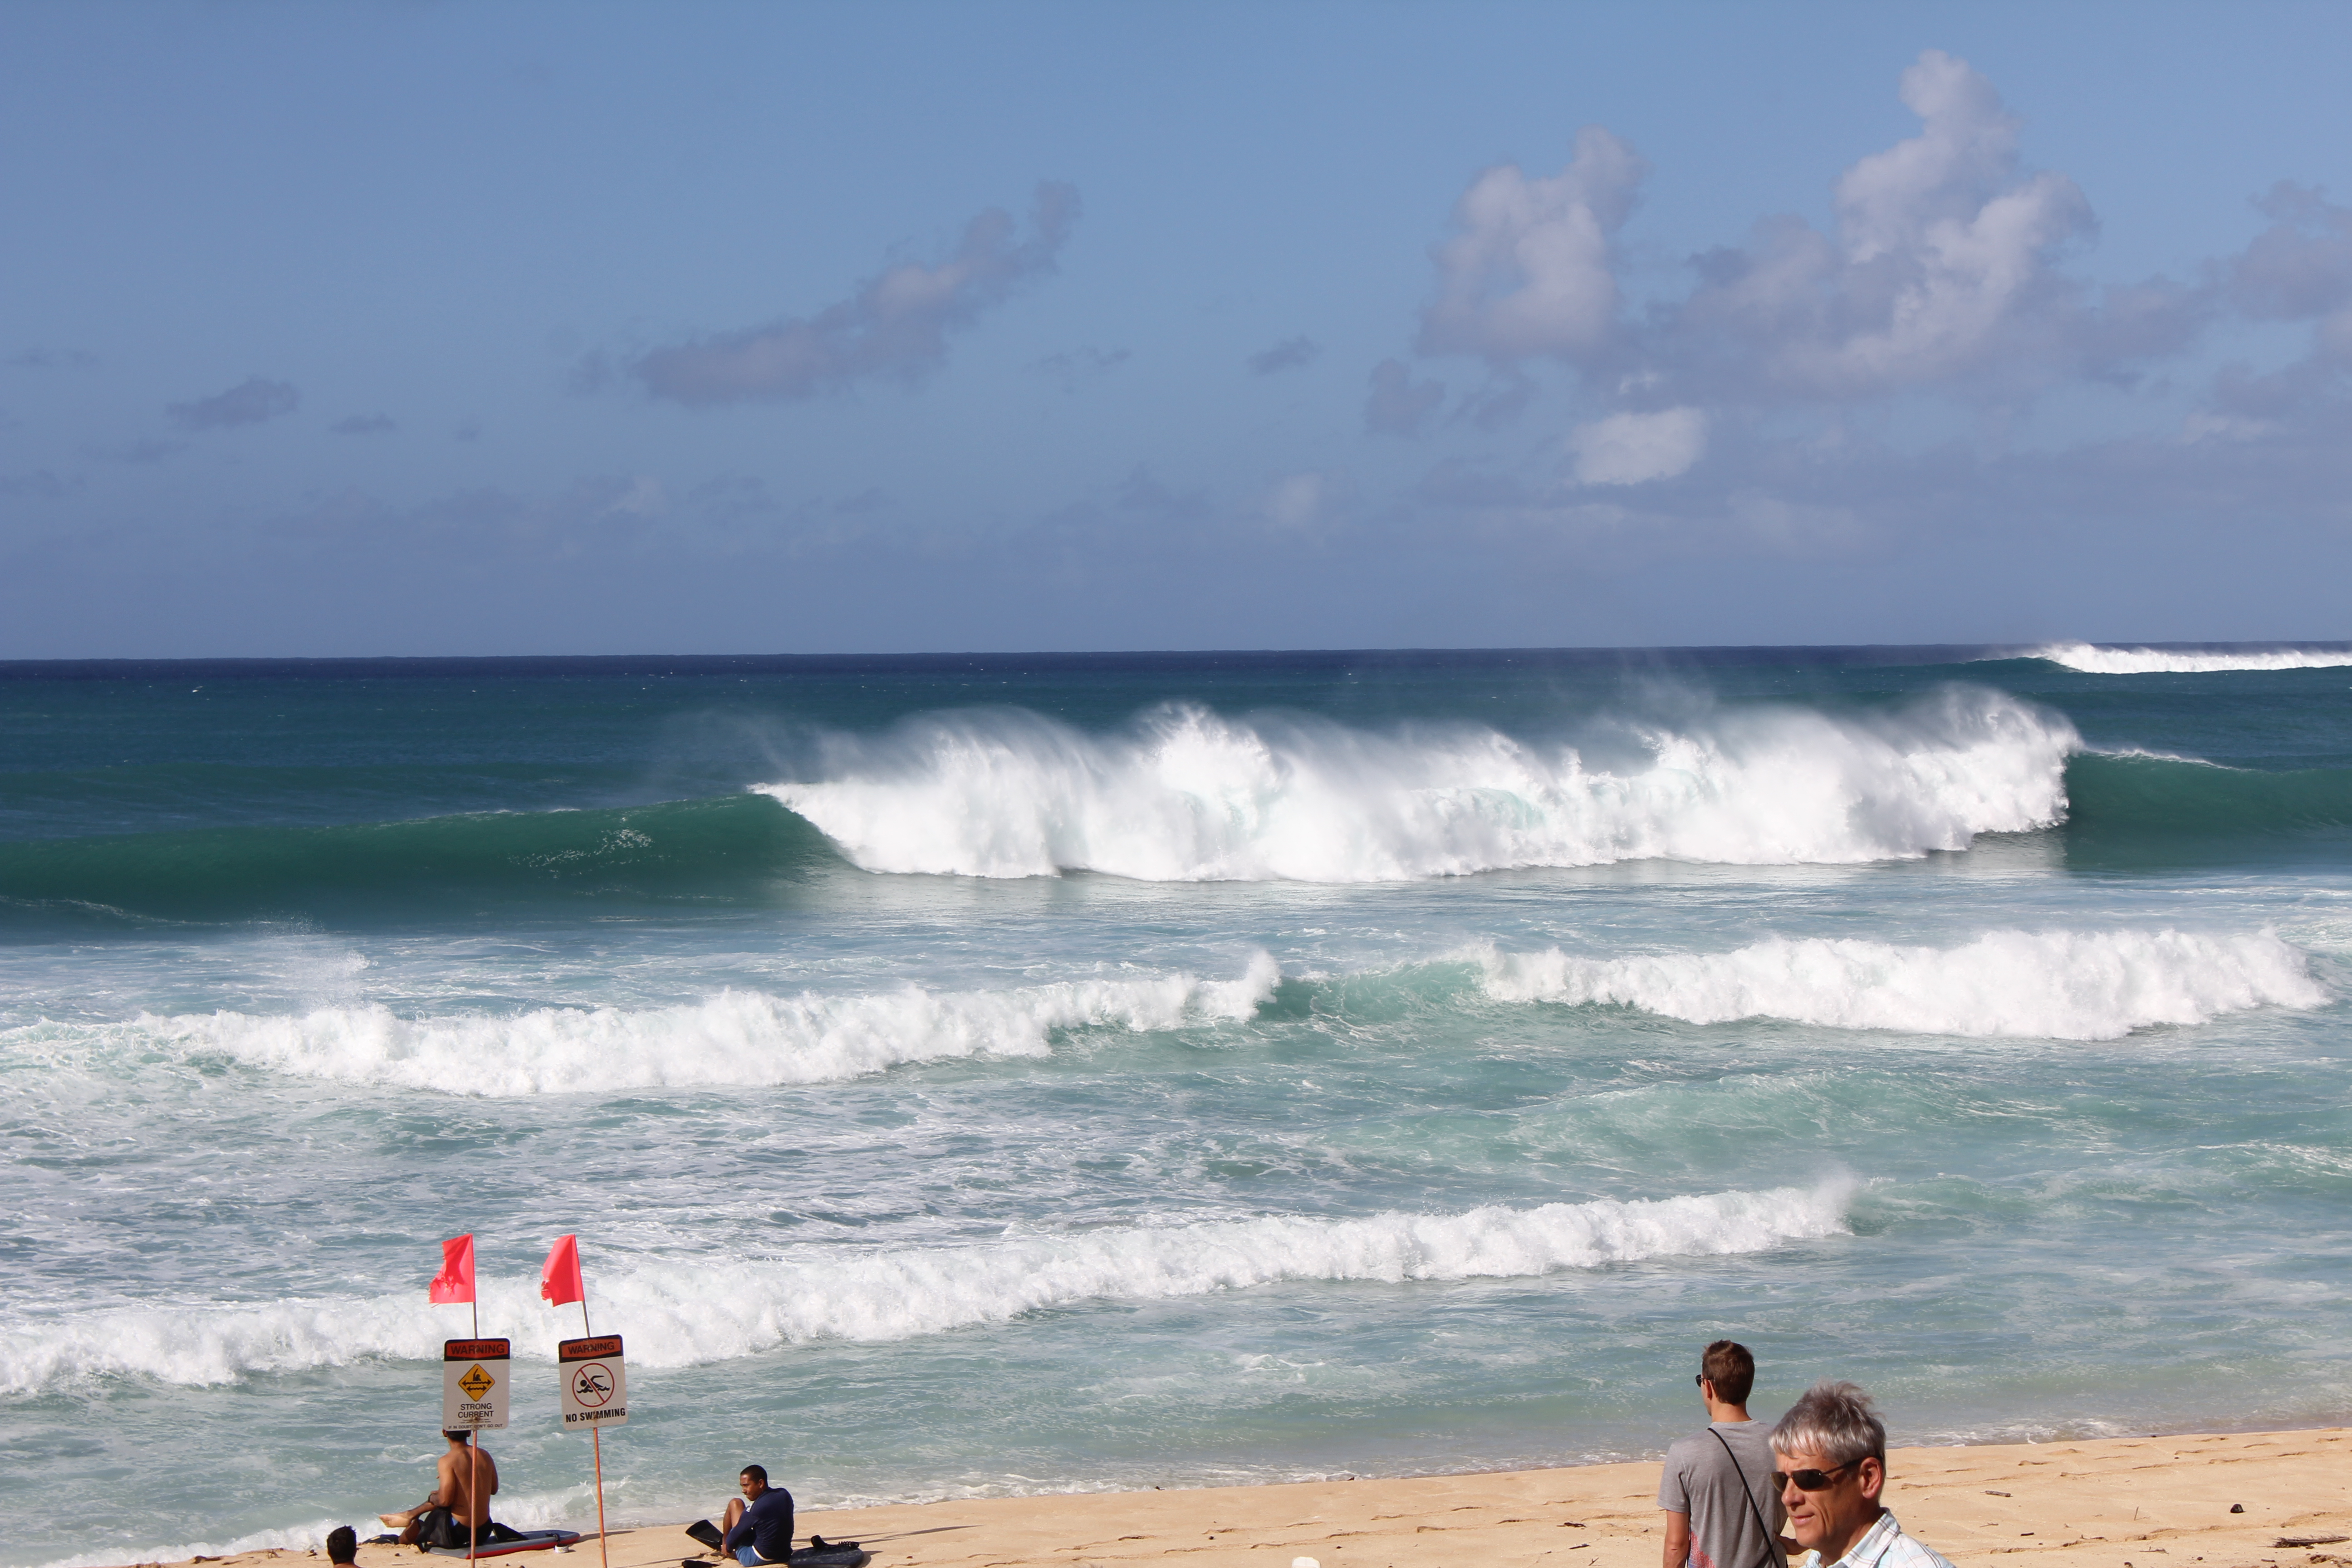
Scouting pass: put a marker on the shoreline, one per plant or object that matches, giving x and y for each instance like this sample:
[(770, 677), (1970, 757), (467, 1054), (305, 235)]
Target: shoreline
[(2157, 1501)]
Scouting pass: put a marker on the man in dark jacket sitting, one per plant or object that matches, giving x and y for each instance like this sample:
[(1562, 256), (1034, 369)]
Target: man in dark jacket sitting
[(760, 1528)]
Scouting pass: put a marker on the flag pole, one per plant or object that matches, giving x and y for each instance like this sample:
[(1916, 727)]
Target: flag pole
[(474, 1494), (596, 1438), (474, 1441)]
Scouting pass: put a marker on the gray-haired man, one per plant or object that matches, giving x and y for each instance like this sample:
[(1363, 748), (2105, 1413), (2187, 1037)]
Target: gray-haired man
[(1832, 1449)]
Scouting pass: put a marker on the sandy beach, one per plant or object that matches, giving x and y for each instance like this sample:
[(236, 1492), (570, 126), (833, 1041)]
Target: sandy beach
[(2103, 1503)]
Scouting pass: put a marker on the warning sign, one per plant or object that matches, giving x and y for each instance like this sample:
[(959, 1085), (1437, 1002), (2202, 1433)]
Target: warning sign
[(474, 1389), (595, 1385)]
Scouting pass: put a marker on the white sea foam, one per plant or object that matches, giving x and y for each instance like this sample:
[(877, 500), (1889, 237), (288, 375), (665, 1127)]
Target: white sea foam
[(299, 1538), (736, 1038), (2074, 985), (2094, 661), (687, 1311), (1187, 794)]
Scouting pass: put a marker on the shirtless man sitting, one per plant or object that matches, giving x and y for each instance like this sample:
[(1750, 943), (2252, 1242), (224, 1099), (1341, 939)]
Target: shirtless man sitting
[(455, 1508)]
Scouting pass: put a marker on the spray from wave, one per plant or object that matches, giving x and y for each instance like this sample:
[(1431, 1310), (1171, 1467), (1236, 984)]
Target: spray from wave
[(1185, 795), (682, 1313), (735, 1038), (2068, 985), (2094, 661)]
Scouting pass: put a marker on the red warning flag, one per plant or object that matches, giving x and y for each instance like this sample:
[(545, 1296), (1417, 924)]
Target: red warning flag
[(456, 1280), (559, 1281)]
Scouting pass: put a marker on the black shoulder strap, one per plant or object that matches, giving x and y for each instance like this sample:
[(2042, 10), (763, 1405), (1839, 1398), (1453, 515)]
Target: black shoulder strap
[(1770, 1558)]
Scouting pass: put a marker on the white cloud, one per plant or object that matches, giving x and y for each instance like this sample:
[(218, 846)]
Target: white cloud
[(1530, 270), (1635, 449), (1966, 149), (1943, 266)]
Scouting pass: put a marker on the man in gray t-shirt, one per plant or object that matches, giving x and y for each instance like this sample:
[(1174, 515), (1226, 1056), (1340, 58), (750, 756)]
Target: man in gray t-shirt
[(1722, 1508)]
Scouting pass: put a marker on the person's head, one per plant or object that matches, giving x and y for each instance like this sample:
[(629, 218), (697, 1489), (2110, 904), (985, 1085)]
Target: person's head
[(753, 1480), (1832, 1466), (1726, 1373), (343, 1544), (457, 1437)]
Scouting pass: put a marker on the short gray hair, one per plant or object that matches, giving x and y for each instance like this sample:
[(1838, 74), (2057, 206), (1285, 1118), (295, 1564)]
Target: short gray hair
[(1836, 1420)]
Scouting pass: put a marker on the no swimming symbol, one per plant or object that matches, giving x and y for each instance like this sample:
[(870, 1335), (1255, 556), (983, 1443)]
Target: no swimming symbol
[(593, 1384)]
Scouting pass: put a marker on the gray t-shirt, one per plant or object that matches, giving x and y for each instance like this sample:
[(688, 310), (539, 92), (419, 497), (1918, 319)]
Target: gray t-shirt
[(1701, 1481)]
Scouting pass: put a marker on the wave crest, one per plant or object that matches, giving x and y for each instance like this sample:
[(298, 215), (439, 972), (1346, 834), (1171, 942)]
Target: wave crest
[(2095, 660), (735, 1038), (687, 1314), (1187, 795), (2069, 985)]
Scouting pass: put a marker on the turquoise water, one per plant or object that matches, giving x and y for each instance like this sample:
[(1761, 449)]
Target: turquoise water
[(973, 1076)]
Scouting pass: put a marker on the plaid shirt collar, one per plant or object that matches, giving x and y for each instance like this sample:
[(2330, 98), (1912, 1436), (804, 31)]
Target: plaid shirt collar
[(1866, 1551)]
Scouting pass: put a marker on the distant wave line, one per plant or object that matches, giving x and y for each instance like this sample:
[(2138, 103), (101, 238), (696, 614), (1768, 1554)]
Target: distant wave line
[(684, 1313)]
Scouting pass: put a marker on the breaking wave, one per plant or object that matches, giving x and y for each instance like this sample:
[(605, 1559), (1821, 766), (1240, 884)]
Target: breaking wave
[(2094, 661), (1186, 794), (683, 1313), (2069, 985), (735, 1038)]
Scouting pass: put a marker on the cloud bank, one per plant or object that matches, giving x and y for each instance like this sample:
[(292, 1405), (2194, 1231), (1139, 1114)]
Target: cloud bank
[(895, 327), (1947, 285), (249, 402)]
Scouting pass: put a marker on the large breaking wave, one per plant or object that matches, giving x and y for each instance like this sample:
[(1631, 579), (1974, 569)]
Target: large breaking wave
[(1188, 795), (2070, 985), (684, 1313)]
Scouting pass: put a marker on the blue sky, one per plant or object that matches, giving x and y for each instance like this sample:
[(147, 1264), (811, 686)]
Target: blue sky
[(410, 329)]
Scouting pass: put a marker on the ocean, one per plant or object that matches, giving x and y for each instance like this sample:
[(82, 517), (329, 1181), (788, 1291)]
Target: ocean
[(1005, 1074)]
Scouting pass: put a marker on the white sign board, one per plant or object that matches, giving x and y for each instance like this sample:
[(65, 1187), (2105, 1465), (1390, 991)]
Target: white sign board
[(595, 1385), (474, 1388)]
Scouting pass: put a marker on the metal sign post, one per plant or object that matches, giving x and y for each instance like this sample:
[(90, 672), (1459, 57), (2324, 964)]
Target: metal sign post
[(475, 1397)]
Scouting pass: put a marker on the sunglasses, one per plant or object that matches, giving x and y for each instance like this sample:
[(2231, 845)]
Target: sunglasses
[(1810, 1480)]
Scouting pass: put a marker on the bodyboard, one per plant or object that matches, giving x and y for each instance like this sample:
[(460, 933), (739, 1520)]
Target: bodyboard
[(850, 1555), (528, 1541)]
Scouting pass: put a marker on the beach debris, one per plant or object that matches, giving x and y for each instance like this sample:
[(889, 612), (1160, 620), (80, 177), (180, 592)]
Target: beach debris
[(1304, 1563), (2237, 1508), (1989, 1492), (2309, 1539)]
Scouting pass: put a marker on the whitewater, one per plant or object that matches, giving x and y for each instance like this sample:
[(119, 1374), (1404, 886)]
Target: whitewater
[(2093, 659), (973, 1076), (1187, 795)]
